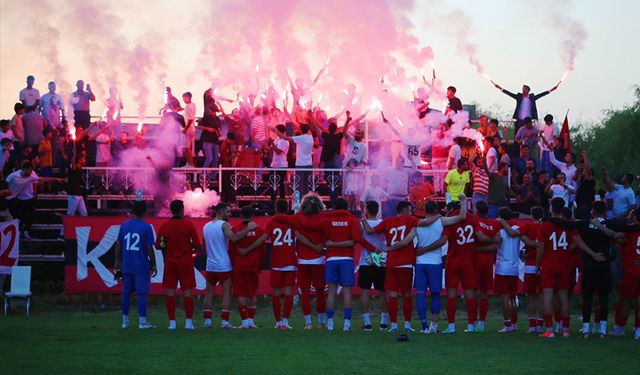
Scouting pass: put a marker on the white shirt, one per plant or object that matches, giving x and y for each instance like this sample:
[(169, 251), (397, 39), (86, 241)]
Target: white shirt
[(493, 166), (218, 259), (548, 132), (190, 114), (29, 96), (455, 153), (569, 171), (426, 236), (280, 161), (525, 108), (398, 183), (559, 191), (304, 146), (357, 151), (376, 240), (21, 187), (411, 152), (51, 105), (103, 148), (508, 255)]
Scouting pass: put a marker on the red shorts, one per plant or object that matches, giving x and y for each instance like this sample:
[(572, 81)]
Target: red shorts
[(311, 274), (465, 274), (532, 283), (214, 278), (630, 286), (245, 283), (283, 279), (484, 272), (179, 272), (555, 280), (506, 285), (398, 279)]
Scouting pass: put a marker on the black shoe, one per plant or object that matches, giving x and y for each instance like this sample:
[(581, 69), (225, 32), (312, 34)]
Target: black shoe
[(384, 327), (367, 328)]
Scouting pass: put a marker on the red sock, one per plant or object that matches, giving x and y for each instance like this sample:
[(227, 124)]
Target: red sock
[(540, 322), (170, 301), (224, 315), (508, 323), (637, 323), (288, 305), (451, 310), (251, 312), (548, 320), (393, 309), (514, 315), (206, 314), (472, 310), (277, 311), (484, 308), (407, 308), (557, 317), (533, 322), (565, 322), (305, 301), (187, 302), (321, 301), (243, 311)]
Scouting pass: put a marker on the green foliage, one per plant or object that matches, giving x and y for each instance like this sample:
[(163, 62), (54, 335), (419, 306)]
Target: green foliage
[(614, 143)]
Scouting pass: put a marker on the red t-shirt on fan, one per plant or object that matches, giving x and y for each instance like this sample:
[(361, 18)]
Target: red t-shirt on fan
[(395, 230), (180, 237), (282, 235), (556, 257), (462, 242), (490, 228), (251, 261)]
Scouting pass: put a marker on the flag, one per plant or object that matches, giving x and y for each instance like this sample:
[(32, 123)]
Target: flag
[(565, 135)]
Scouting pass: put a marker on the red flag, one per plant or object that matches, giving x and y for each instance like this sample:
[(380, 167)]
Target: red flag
[(565, 134)]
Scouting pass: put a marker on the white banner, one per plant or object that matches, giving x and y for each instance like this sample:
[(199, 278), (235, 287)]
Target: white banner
[(9, 246)]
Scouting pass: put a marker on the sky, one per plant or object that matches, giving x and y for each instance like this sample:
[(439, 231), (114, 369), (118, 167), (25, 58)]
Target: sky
[(189, 44)]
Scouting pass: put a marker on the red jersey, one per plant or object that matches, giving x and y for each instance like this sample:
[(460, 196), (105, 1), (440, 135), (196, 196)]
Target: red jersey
[(529, 229), (251, 261), (575, 261), (490, 228), (556, 257), (315, 235), (337, 226), (395, 229), (179, 237), (282, 235), (462, 242), (630, 254)]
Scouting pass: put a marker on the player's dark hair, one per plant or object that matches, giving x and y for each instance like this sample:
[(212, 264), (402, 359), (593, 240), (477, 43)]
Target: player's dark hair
[(402, 205), (548, 118), (629, 177), (567, 213), (537, 212), (340, 204), (187, 94), (246, 212), (333, 127), (452, 89), (221, 207), (176, 206), (600, 208), (635, 214), (527, 86), (26, 164), (311, 204), (139, 208), (18, 107), (482, 208), (557, 205), (231, 136), (494, 121), (430, 207), (505, 213), (281, 128), (4, 122), (462, 161), (372, 207), (527, 120), (282, 206), (304, 128)]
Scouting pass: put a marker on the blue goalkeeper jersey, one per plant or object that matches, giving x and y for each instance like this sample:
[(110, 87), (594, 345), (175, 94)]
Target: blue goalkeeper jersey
[(135, 236)]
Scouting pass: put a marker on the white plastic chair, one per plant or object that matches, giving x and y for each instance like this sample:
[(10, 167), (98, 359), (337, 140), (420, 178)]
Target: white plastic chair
[(20, 286)]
